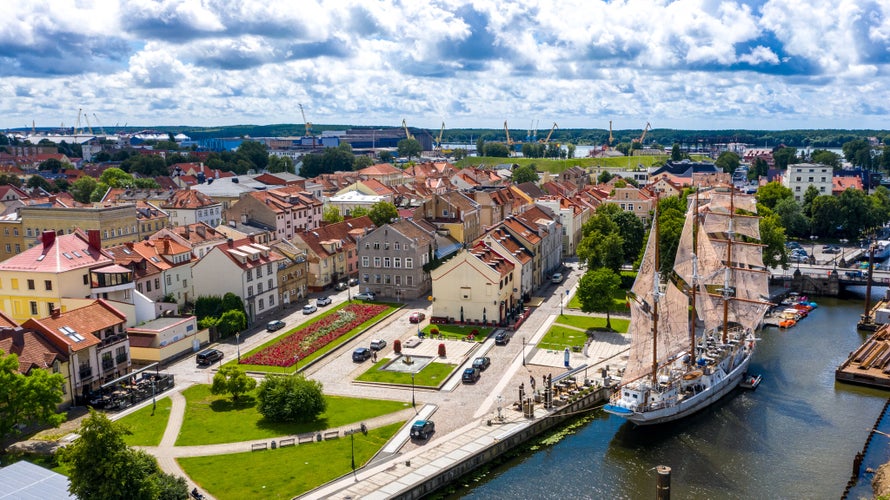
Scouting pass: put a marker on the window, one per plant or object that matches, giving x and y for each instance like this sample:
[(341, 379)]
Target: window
[(148, 286), (15, 231), (270, 283), (269, 268), (259, 288), (259, 272), (386, 262), (365, 261), (396, 246), (250, 291), (169, 280), (397, 262), (139, 287), (250, 275), (376, 245), (48, 284), (30, 284), (18, 248), (377, 279), (157, 283), (386, 279), (376, 261), (386, 245), (271, 300), (409, 280), (50, 307), (409, 263), (8, 248), (33, 308), (365, 278), (260, 305), (398, 279)]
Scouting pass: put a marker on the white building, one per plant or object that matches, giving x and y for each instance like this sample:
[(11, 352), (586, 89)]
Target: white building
[(799, 177)]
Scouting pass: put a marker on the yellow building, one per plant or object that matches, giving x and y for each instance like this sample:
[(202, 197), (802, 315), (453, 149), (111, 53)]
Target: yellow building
[(116, 224), (12, 239)]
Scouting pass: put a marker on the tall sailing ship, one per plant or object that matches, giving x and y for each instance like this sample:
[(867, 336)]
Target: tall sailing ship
[(693, 330)]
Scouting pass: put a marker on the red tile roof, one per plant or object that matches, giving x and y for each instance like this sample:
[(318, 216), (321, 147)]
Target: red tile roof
[(64, 253), (32, 349), (83, 321)]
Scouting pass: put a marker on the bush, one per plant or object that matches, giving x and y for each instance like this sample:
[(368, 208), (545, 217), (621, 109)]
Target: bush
[(291, 398), (397, 346), (232, 380), (474, 332), (434, 331), (442, 350)]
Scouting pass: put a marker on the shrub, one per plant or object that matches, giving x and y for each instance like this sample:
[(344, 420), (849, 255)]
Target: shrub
[(434, 331), (232, 380), (397, 346), (474, 332), (442, 350), (290, 398)]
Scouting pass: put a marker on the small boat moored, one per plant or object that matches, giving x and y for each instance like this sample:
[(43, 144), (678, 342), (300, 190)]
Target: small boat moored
[(750, 381)]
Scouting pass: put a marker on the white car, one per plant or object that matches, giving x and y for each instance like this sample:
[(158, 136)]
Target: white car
[(556, 278), (309, 309), (364, 296)]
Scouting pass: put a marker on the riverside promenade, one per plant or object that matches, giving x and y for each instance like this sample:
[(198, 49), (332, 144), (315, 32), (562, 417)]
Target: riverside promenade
[(469, 430)]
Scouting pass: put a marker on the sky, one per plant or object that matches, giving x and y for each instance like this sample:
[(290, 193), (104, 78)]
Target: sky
[(684, 64)]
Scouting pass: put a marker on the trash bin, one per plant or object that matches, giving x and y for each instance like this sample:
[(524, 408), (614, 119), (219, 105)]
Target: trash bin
[(273, 445)]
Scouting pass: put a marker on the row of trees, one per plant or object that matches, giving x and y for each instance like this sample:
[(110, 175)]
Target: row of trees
[(225, 314), (380, 213), (281, 398)]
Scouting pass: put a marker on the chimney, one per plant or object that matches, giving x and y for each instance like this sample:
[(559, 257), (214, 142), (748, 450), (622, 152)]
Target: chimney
[(200, 230), (188, 232), (18, 338), (48, 238), (94, 239), (56, 312), (230, 242)]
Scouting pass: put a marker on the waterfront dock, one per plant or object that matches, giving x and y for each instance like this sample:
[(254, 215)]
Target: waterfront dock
[(870, 363)]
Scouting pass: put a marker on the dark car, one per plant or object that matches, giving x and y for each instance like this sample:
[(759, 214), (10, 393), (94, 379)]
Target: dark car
[(481, 363), (353, 281), (416, 317), (208, 356), (422, 429), (361, 354), (341, 286), (470, 375), (323, 301), (501, 338), (274, 325)]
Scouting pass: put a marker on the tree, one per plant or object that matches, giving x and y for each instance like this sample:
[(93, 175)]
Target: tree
[(570, 150), (28, 399), (52, 164), (60, 185), (232, 302), (784, 156), (101, 465), (383, 212), (409, 148), (255, 152), (116, 178), (604, 177), (792, 217), (759, 169), (385, 157), (727, 161), (497, 150), (331, 215), (771, 193), (480, 145), (279, 164), (826, 215), (632, 232), (10, 180), (859, 153), (525, 173), (856, 213), (82, 188), (676, 154), (146, 183), (362, 161), (826, 157), (772, 235), (811, 194), (291, 398), (231, 379), (38, 181), (231, 322), (596, 289)]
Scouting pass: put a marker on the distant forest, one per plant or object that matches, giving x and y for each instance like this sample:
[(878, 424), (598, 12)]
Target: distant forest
[(824, 138)]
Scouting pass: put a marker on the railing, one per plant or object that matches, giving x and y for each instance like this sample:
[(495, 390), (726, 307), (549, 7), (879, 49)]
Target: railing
[(113, 339), (121, 358), (86, 372), (107, 364)]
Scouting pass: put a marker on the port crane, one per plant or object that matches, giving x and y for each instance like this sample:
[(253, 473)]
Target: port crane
[(643, 136), (306, 122), (101, 128), (507, 131), (549, 134), (407, 132), (438, 148)]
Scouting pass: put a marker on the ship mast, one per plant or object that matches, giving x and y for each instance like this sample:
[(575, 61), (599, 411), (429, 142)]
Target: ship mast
[(728, 292), (656, 295), (694, 284)]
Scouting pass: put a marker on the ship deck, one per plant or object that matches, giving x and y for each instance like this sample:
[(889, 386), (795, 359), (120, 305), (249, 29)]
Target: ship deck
[(870, 363)]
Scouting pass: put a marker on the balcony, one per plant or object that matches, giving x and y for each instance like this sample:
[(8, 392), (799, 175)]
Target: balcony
[(86, 373), (107, 364), (112, 339)]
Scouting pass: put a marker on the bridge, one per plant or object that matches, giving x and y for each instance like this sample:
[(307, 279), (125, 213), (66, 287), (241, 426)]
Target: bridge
[(826, 280)]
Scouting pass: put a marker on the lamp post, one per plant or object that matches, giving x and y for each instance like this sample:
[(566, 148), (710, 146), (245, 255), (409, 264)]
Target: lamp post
[(154, 402), (843, 250), (560, 302), (364, 430), (238, 344), (413, 404), (813, 248), (523, 350)]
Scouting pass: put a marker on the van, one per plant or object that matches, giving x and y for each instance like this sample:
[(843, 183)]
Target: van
[(208, 356)]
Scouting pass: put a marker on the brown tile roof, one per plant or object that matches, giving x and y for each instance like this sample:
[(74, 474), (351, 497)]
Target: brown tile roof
[(509, 242), (244, 246), (496, 261), (32, 349), (83, 322), (188, 199), (380, 169), (345, 231)]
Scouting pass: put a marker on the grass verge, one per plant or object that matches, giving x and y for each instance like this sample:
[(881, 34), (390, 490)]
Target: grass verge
[(559, 337), (320, 352), (285, 472), (147, 429), (213, 419), (587, 322), (459, 332), (432, 375)]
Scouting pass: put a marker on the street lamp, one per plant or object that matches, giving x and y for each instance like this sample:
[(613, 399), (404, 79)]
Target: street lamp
[(154, 402), (238, 344), (413, 404), (560, 302), (813, 248), (523, 350)]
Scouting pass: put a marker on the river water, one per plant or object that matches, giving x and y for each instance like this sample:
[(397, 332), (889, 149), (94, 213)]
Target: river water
[(794, 437)]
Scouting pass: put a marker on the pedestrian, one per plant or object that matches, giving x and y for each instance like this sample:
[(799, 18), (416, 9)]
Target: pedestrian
[(375, 356), (531, 382)]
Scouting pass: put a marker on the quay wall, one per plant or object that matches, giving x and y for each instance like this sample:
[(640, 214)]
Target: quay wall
[(517, 437)]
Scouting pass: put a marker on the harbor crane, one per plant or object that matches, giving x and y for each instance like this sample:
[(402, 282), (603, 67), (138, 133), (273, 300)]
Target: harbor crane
[(438, 147), (101, 128), (407, 132), (306, 122), (643, 136), (549, 134), (507, 131)]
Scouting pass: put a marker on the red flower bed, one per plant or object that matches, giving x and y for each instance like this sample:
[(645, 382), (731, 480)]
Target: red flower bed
[(307, 340)]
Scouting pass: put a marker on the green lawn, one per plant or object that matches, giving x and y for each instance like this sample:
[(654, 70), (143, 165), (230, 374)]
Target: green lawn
[(586, 322), (431, 376), (560, 337), (285, 472), (147, 429), (317, 354), (213, 419), (459, 332), (619, 301)]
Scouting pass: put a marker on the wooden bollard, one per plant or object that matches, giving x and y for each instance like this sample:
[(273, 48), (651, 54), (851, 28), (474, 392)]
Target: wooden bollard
[(663, 483)]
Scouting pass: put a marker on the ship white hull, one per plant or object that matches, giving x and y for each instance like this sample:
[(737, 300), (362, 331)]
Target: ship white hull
[(689, 405)]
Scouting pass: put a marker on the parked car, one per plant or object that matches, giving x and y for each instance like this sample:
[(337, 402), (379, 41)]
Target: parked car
[(361, 354), (364, 296), (854, 274), (556, 278), (470, 375), (501, 338), (831, 249), (481, 363), (323, 301), (416, 317), (422, 429), (798, 258), (309, 308), (377, 344), (792, 244), (353, 281), (341, 286), (274, 325), (208, 356)]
